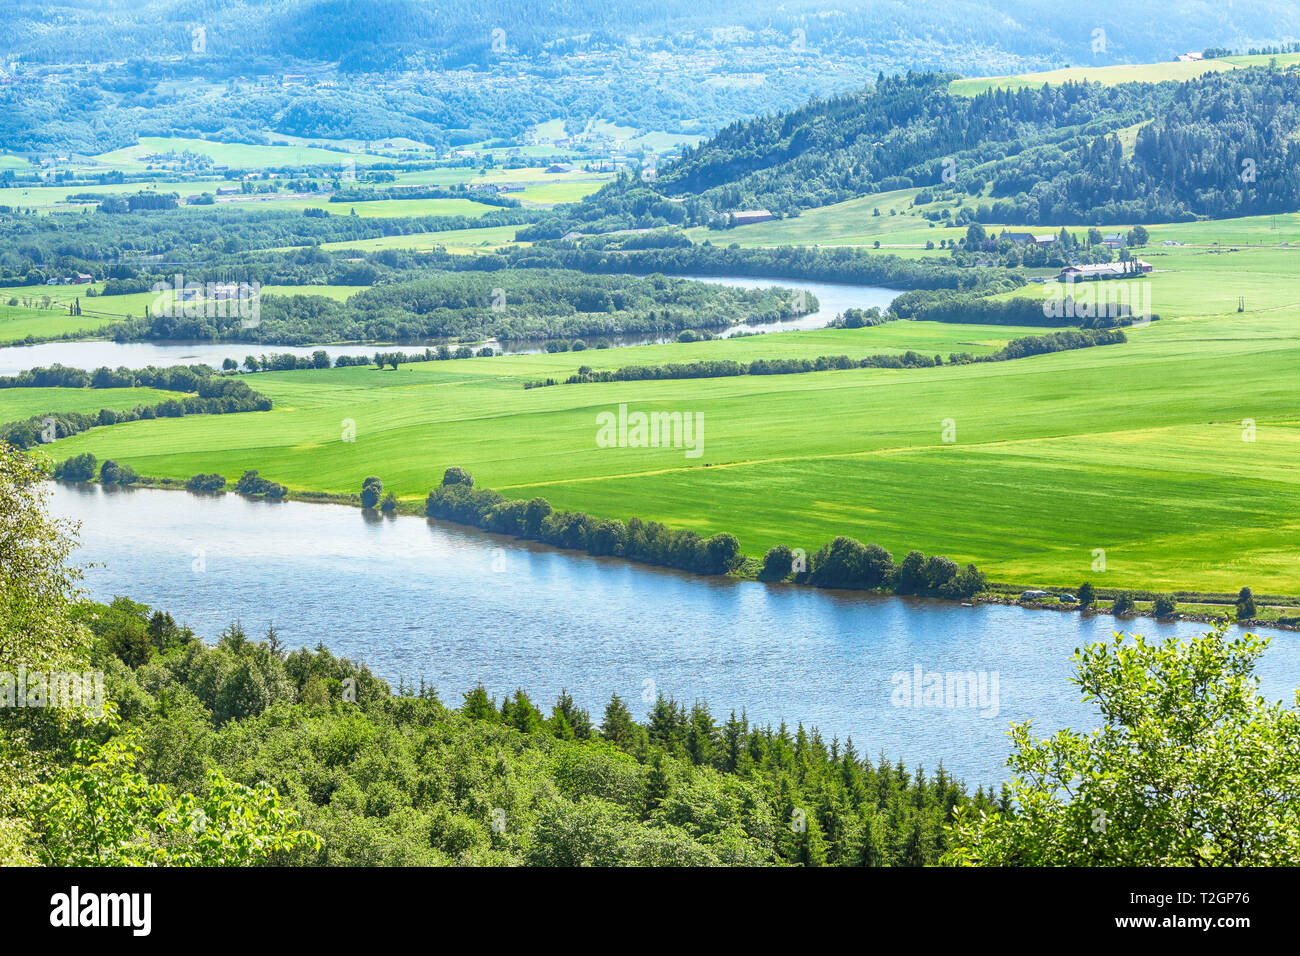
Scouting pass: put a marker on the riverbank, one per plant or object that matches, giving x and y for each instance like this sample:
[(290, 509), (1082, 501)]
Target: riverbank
[(1000, 593), (449, 607)]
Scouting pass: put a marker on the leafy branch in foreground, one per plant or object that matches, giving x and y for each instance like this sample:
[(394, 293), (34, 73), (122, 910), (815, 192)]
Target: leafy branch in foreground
[(1191, 767), (101, 812)]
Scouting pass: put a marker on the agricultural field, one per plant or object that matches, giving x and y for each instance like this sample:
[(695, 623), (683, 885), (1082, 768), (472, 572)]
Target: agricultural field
[(1134, 449), (1112, 75), (379, 208), (19, 322), (47, 199), (134, 159), (20, 403), (525, 175), (899, 228), (456, 241), (1191, 281)]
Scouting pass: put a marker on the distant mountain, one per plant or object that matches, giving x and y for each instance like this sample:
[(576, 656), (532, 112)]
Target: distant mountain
[(970, 36), (86, 76)]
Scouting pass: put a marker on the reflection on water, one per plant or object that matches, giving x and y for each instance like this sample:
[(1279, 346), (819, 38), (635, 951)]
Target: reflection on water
[(415, 599)]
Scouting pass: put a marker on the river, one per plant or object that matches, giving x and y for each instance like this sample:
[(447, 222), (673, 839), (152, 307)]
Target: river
[(833, 299), (455, 607)]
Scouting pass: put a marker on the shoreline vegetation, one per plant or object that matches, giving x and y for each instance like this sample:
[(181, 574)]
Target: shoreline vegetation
[(1046, 597), (1022, 347), (196, 390)]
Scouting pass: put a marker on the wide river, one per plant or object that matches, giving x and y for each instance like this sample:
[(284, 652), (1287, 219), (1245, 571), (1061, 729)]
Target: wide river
[(421, 600), (833, 298)]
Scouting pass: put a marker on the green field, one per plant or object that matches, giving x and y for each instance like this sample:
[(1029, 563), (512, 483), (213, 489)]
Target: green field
[(379, 208), (459, 241), (1118, 73), (55, 198), (20, 403), (849, 223), (1205, 282), (235, 155), (1135, 449), (18, 322)]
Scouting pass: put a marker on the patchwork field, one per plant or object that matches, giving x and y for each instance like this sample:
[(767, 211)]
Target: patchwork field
[(1136, 449)]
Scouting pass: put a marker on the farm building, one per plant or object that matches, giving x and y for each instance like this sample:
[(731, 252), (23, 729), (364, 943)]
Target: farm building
[(561, 168), (1017, 236), (1105, 270), (748, 216)]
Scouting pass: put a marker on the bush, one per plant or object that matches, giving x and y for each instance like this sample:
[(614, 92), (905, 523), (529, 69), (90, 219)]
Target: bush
[(1123, 603), (77, 468), (848, 563), (909, 579), (1165, 605), (212, 482), (390, 503), (1245, 605), (1087, 595), (371, 489), (777, 564), (111, 473), (254, 486), (457, 476)]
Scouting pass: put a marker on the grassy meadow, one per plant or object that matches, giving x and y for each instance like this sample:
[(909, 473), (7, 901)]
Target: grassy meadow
[(1134, 449), (18, 322), (236, 155), (1114, 74), (19, 403)]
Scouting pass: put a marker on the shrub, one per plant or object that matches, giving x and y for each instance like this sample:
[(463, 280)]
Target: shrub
[(908, 578), (848, 563), (255, 486), (1245, 605), (777, 564), (1123, 603), (371, 489), (77, 468), (457, 476), (212, 482), (1165, 605)]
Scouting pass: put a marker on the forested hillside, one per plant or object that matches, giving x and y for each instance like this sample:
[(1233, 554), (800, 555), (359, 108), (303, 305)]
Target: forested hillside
[(446, 73), (1220, 145)]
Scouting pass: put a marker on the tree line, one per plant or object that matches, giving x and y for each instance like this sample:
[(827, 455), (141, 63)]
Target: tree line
[(521, 304), (212, 396), (723, 368)]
